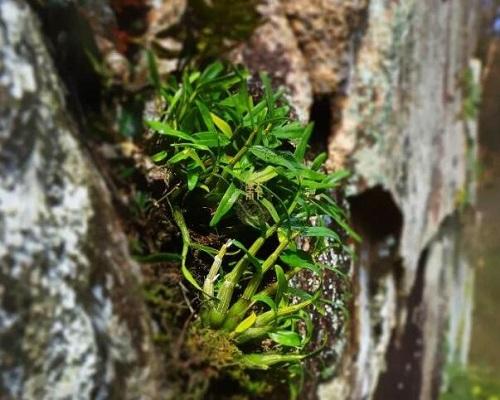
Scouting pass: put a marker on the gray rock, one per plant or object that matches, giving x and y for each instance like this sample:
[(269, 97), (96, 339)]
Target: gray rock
[(72, 323), (403, 132)]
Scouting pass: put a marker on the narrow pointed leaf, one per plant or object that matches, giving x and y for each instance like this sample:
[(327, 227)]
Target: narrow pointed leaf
[(319, 231), (232, 194), (281, 283), (160, 156), (300, 151), (192, 180), (262, 298), (286, 338), (271, 209), (246, 323), (222, 125), (205, 115), (165, 129), (263, 176)]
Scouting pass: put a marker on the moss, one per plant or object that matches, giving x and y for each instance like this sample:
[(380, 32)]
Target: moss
[(471, 92), (470, 384)]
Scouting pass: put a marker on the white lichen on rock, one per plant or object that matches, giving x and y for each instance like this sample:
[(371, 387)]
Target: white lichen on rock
[(65, 298)]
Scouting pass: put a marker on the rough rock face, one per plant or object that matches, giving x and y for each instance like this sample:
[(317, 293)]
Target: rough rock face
[(71, 320), (273, 48), (404, 133), (328, 32)]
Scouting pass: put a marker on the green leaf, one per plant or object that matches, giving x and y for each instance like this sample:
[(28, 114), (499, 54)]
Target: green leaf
[(300, 151), (232, 194), (263, 176), (211, 139), (289, 131), (286, 338), (164, 129), (262, 298), (206, 249), (187, 153), (211, 72), (281, 283), (161, 155), (319, 161), (189, 277), (192, 179), (205, 115), (299, 259), (264, 361), (254, 260), (222, 125), (246, 323), (319, 231), (154, 76), (271, 209), (272, 157), (331, 209), (301, 294)]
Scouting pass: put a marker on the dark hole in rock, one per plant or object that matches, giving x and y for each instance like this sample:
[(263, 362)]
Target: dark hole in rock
[(403, 378), (375, 214), (321, 115), (377, 218), (71, 40)]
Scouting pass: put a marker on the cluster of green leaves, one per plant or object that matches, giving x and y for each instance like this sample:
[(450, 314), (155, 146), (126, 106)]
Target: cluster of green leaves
[(469, 384), (244, 161)]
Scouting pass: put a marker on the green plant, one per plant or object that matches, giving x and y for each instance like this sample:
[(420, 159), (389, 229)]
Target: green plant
[(470, 383), (471, 95), (239, 173)]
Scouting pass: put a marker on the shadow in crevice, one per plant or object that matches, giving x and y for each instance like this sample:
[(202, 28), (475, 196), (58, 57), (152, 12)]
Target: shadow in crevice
[(378, 219), (321, 115), (403, 378)]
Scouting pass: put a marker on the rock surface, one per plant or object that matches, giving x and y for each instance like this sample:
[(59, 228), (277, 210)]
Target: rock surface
[(328, 33), (72, 322), (273, 48), (404, 133)]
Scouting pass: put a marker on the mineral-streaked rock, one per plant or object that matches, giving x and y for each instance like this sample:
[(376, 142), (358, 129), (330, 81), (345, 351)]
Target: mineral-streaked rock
[(328, 32), (72, 324), (403, 129), (273, 49)]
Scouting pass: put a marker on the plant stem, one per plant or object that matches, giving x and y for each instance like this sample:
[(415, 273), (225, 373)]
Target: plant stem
[(218, 314), (186, 242), (208, 285), (238, 309)]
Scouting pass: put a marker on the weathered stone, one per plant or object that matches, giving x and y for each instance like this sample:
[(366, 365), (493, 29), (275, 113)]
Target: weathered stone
[(273, 49), (403, 130), (72, 322), (328, 32)]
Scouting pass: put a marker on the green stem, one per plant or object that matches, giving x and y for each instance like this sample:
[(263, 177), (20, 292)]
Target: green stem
[(269, 316), (186, 242), (218, 314), (239, 308), (271, 289), (266, 360), (254, 283)]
